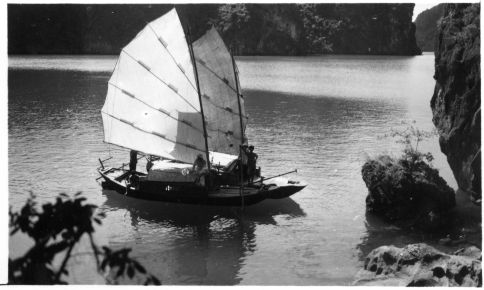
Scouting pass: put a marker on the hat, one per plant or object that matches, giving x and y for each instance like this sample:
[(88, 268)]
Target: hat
[(251, 147)]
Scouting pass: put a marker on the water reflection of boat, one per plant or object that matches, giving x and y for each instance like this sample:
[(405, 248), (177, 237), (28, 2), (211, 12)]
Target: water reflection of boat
[(181, 215), (179, 102), (207, 244)]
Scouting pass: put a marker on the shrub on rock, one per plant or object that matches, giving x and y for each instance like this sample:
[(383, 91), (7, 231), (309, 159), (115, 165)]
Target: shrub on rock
[(415, 196), (407, 191)]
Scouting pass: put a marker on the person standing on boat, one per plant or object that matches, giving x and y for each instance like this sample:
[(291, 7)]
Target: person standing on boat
[(149, 163), (199, 168), (133, 160), (244, 159), (251, 163)]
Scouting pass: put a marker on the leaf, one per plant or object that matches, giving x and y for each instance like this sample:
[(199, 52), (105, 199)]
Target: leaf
[(65, 220), (120, 270), (155, 280), (104, 263), (139, 268), (130, 272), (14, 231)]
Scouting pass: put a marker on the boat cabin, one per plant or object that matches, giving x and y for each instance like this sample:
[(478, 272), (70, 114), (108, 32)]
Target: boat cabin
[(225, 171)]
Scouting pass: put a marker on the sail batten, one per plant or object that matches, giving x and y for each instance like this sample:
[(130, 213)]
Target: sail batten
[(158, 134), (223, 79), (188, 123), (226, 109), (165, 45), (217, 83), (171, 86)]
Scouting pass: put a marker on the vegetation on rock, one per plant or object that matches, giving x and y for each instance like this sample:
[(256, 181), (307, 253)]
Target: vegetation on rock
[(319, 31), (248, 29), (408, 191), (56, 229)]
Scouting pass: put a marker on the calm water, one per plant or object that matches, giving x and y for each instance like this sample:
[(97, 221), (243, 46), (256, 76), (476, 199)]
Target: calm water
[(321, 115)]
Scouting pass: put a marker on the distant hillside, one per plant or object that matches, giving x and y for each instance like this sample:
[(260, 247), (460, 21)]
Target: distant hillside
[(248, 29), (426, 23)]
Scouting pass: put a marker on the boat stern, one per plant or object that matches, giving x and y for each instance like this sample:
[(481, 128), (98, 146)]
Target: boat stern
[(282, 188)]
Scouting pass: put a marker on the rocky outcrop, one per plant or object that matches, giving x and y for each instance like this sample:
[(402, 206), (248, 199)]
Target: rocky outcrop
[(456, 102), (408, 195), (421, 265), (426, 27)]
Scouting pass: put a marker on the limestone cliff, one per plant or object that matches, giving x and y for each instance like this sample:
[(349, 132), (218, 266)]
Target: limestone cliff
[(294, 29), (456, 103), (426, 26), (260, 29), (249, 29)]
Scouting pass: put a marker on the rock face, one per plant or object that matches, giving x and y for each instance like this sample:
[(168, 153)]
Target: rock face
[(414, 197), (319, 28), (421, 265), (381, 28), (249, 29), (456, 102), (260, 29), (426, 27)]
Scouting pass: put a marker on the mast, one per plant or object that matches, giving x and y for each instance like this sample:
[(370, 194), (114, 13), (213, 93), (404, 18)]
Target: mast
[(238, 101), (205, 136), (241, 130)]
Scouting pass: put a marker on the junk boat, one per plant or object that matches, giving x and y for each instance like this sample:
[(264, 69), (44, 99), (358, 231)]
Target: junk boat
[(173, 101)]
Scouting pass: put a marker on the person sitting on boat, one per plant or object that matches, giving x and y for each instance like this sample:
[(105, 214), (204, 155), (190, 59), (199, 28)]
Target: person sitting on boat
[(251, 163), (199, 168)]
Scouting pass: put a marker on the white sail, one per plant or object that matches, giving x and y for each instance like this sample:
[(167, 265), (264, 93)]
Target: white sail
[(152, 103), (219, 93)]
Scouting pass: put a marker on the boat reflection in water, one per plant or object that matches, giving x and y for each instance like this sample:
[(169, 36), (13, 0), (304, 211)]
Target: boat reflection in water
[(194, 244)]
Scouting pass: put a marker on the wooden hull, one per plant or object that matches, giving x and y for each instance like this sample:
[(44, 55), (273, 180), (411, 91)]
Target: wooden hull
[(279, 192), (192, 194)]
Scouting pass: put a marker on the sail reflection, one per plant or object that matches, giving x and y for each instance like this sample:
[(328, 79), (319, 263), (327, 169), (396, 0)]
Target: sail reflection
[(205, 244)]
